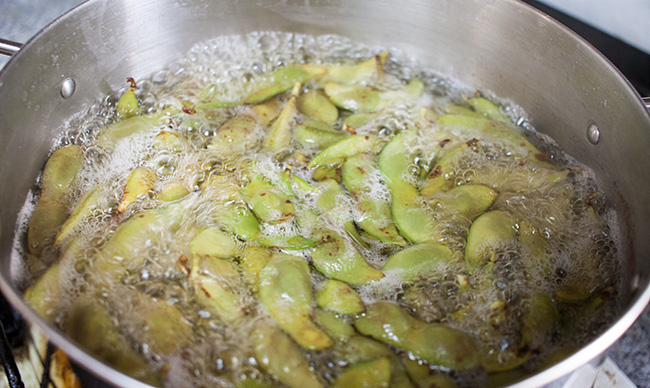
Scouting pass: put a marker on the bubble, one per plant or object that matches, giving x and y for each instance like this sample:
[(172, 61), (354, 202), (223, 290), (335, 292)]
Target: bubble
[(268, 42)]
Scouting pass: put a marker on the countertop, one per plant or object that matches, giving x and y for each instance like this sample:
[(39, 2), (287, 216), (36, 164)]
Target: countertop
[(21, 19)]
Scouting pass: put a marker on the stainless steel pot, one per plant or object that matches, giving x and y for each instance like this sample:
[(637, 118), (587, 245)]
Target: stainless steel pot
[(568, 90)]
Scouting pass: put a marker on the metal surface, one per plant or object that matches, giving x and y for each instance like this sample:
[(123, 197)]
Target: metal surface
[(501, 46)]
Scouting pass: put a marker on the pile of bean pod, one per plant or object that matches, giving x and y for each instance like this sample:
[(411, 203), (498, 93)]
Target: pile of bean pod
[(327, 227)]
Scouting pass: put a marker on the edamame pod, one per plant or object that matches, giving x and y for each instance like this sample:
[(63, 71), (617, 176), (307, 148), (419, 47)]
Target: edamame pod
[(462, 110), (356, 98), (422, 304), (332, 203), (337, 259), (236, 135), (317, 134), (91, 325), (267, 202), (578, 286), (211, 97), (279, 356), (293, 184), (128, 105), (356, 120), (500, 132), (213, 244), (418, 261), (496, 358), (359, 349), (322, 173), (409, 214), (315, 105), (425, 377), (252, 260), (375, 215), (306, 218), (140, 230), (337, 153), (173, 191), (359, 72), (266, 112), (141, 181), (279, 135), (47, 293), (51, 210), (428, 114), (359, 98), (490, 232), (368, 374), (332, 198), (213, 103), (215, 278), (249, 382), (443, 175), (238, 218), (167, 331), (339, 297), (539, 319), (285, 291), (498, 361), (535, 245), (437, 344), (468, 200), (169, 141), (290, 242), (334, 325), (86, 206), (242, 132), (284, 79), (488, 109), (122, 129), (232, 213), (572, 292)]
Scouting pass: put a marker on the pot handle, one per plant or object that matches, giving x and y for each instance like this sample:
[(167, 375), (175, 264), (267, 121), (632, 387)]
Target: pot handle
[(646, 101), (9, 48)]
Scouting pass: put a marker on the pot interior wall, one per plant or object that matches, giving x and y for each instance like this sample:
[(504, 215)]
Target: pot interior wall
[(499, 46)]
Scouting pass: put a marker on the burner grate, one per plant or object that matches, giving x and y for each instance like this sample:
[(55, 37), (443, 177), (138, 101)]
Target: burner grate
[(22, 362)]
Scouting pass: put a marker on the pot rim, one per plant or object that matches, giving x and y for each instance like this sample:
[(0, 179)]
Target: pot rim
[(588, 352)]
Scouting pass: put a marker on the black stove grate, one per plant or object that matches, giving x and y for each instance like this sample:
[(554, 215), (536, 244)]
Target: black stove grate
[(11, 335), (8, 361)]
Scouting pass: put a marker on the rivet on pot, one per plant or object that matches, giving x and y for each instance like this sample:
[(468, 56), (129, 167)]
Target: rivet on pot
[(67, 87), (593, 134)]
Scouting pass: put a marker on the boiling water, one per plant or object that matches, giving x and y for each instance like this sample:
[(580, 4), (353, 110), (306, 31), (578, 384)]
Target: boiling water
[(581, 248)]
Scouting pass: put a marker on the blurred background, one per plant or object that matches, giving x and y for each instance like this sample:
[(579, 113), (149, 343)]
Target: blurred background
[(620, 29)]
